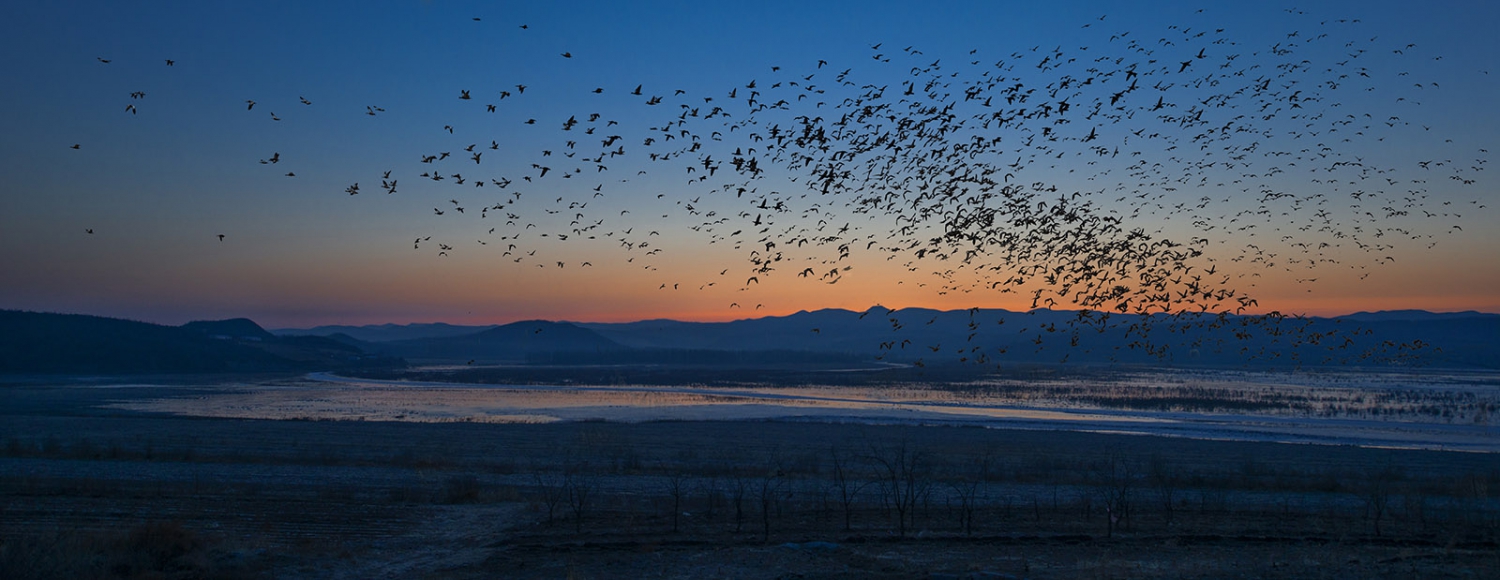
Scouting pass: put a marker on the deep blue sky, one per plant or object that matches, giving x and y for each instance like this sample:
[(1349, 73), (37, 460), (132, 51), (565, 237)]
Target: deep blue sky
[(158, 186)]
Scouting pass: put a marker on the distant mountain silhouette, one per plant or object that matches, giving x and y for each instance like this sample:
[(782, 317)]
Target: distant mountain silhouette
[(1046, 336), (35, 342), (1414, 315), (340, 338), (386, 332), (233, 328), (985, 336), (63, 343), (827, 330), (513, 342)]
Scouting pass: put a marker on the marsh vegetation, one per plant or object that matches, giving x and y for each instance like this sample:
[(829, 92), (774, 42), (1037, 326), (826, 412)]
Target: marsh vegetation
[(600, 499)]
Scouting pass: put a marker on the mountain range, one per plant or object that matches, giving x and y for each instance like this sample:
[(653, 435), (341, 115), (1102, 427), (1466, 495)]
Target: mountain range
[(1460, 339), (37, 342), (33, 342)]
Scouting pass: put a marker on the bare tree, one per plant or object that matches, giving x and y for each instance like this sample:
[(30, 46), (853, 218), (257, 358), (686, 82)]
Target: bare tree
[(768, 490), (1164, 480), (967, 487), (1376, 493), (846, 486), (676, 484), (711, 497), (739, 485), (1115, 479), (553, 489), (580, 487), (902, 472), (817, 493), (1414, 506)]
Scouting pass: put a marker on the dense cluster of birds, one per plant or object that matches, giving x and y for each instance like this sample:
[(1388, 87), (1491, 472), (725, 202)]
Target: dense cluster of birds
[(1144, 179)]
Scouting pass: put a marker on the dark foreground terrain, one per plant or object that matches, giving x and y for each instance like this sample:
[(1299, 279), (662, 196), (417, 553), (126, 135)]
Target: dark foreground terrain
[(93, 492)]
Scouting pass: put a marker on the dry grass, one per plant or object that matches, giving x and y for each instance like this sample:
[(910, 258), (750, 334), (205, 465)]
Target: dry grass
[(153, 550), (684, 499)]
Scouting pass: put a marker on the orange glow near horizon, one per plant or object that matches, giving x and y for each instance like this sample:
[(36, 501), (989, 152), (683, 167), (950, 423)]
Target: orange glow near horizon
[(317, 288), (193, 206)]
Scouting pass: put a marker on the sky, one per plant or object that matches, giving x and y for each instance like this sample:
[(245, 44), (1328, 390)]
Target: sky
[(170, 157)]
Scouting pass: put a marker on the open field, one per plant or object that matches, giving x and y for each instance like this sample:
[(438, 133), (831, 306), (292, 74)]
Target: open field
[(91, 486)]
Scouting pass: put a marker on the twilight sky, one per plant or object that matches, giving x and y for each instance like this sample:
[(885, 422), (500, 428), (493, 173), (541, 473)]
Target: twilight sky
[(168, 158)]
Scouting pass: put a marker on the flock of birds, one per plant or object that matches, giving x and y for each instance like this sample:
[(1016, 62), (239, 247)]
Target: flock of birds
[(1142, 180)]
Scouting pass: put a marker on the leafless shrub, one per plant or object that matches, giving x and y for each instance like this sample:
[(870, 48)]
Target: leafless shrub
[(1375, 491), (901, 471), (846, 485), (1115, 479), (580, 484), (713, 495), (675, 483), (768, 489), (1164, 480), (739, 486), (553, 490), (967, 484)]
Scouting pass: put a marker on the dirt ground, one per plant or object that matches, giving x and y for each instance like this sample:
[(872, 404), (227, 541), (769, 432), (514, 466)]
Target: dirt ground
[(87, 490)]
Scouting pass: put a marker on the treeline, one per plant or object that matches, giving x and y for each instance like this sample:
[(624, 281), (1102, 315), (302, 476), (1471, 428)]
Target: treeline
[(899, 487)]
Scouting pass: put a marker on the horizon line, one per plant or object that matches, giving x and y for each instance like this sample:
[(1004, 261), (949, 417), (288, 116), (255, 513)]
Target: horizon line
[(768, 315)]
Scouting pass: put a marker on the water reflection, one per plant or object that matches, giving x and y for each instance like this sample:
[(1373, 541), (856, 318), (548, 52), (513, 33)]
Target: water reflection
[(329, 397)]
